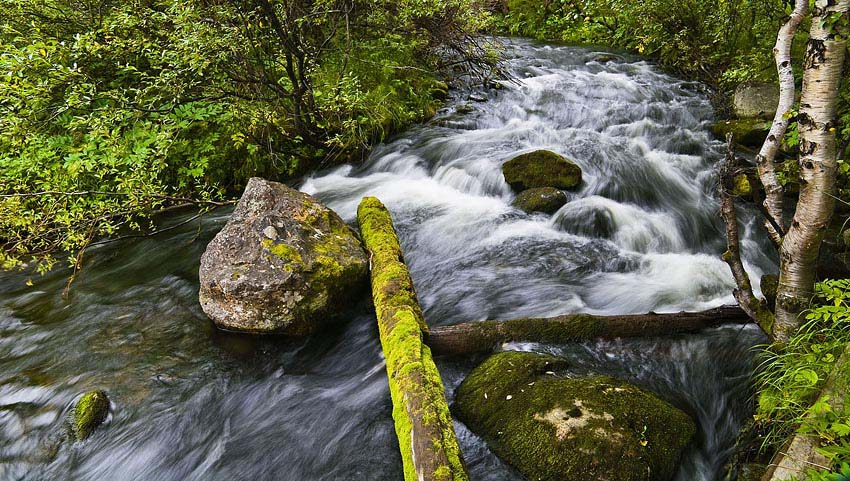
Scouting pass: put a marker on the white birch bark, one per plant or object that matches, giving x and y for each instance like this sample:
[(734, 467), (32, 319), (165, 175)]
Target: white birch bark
[(798, 254), (765, 160)]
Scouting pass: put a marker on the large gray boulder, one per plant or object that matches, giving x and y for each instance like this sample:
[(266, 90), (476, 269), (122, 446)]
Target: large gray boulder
[(554, 428), (756, 100), (282, 264)]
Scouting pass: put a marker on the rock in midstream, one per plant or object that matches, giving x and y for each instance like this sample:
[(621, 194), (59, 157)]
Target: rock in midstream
[(283, 263)]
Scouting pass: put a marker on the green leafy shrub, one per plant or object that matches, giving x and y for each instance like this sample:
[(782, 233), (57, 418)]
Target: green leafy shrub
[(111, 110), (722, 42), (790, 377)]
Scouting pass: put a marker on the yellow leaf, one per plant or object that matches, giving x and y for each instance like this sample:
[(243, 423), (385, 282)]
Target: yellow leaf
[(43, 52), (29, 282), (644, 442)]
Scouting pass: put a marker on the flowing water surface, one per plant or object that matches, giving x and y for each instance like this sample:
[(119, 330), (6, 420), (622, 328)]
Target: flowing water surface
[(193, 403)]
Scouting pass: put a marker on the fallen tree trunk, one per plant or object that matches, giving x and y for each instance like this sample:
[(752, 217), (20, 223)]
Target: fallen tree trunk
[(423, 423), (470, 337)]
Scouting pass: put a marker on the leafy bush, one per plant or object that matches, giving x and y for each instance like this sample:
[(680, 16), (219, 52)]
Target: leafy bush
[(790, 377), (111, 110), (716, 41)]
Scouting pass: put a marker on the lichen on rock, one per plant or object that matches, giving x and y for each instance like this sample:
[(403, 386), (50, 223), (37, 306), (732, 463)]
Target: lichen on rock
[(552, 427), (541, 168), (283, 264), (89, 413)]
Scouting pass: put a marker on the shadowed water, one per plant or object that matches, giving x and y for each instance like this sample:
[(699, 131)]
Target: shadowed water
[(192, 403)]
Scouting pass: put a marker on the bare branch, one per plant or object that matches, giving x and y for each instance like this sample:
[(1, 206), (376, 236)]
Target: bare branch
[(743, 293)]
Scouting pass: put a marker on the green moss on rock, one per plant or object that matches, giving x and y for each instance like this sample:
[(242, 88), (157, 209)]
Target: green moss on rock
[(742, 186), (89, 413), (748, 132), (541, 168), (554, 428), (541, 199)]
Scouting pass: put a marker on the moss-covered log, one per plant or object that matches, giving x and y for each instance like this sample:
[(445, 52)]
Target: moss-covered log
[(423, 423), (482, 336)]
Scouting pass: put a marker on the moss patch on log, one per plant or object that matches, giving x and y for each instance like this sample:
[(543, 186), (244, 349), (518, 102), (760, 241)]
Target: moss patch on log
[(423, 422)]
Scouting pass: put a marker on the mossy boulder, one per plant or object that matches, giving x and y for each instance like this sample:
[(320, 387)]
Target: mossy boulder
[(541, 168), (541, 199), (747, 132), (552, 427), (89, 413), (283, 263)]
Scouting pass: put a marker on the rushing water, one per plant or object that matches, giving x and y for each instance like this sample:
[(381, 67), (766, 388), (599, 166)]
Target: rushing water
[(193, 403)]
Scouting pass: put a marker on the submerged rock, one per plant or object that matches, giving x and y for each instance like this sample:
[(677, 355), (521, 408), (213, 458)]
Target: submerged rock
[(542, 199), (748, 132), (282, 264), (541, 168), (605, 58), (581, 429), (756, 100), (89, 413)]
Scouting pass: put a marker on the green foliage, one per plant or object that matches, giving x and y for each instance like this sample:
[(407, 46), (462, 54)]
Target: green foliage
[(790, 378), (842, 474), (111, 110), (722, 42)]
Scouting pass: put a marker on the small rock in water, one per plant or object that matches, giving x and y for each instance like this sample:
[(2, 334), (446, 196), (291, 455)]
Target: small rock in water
[(542, 199), (89, 413), (478, 98), (464, 109)]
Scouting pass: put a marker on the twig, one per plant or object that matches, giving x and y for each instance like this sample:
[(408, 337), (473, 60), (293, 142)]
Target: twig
[(149, 234)]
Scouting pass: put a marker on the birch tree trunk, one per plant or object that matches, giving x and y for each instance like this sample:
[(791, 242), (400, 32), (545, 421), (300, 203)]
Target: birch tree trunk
[(774, 193), (798, 254)]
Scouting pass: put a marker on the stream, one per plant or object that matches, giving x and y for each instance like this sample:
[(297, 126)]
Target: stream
[(190, 402)]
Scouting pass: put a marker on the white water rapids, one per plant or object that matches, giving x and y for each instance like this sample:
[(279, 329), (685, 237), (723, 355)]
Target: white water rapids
[(190, 403)]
